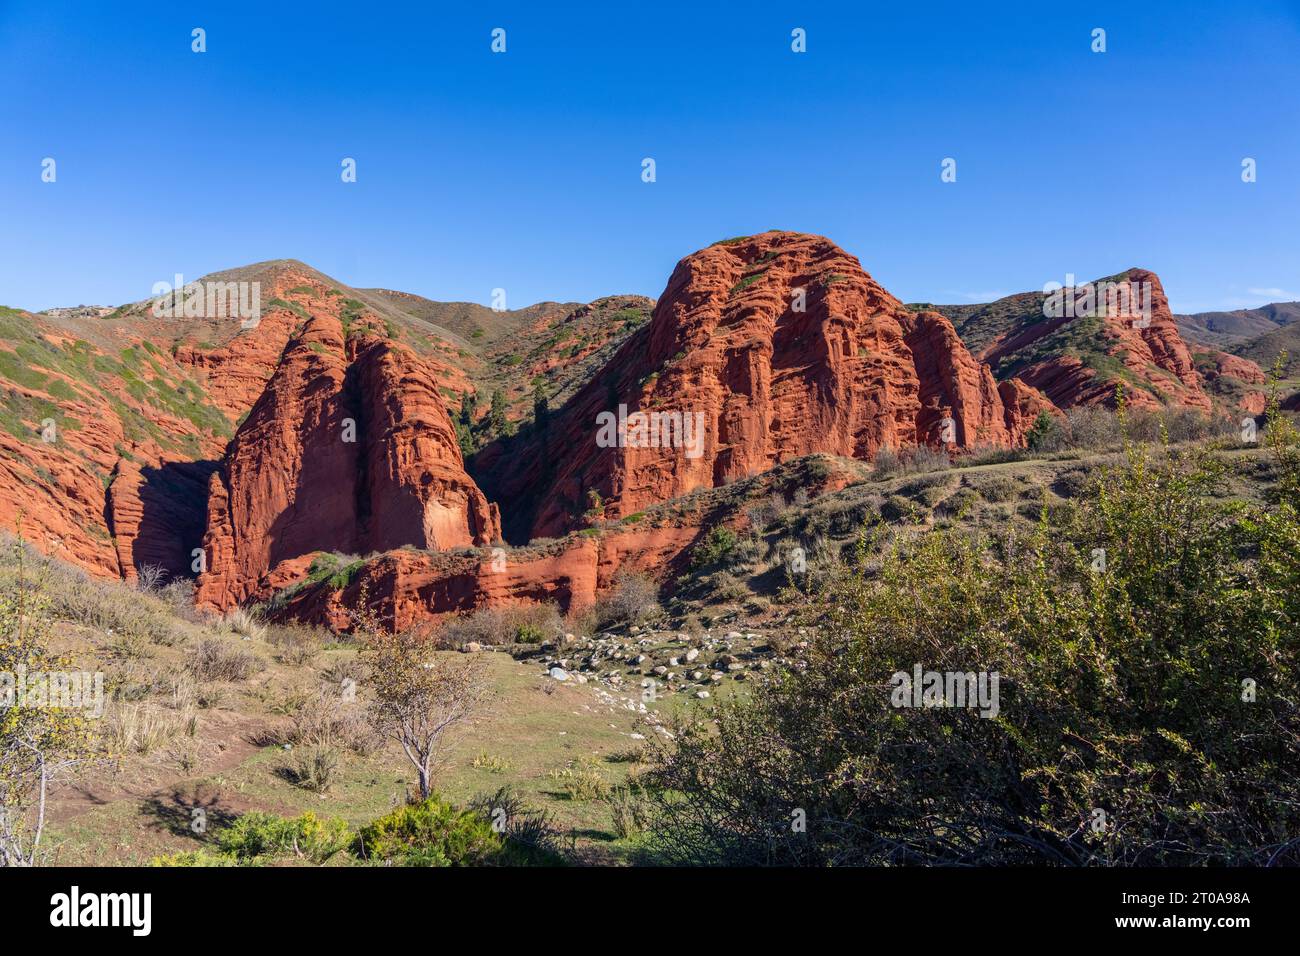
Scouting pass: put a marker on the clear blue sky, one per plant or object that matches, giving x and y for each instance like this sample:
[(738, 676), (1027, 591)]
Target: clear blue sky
[(522, 170)]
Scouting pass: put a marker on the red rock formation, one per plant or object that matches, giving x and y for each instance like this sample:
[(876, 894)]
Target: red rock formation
[(156, 515), (53, 480), (349, 449), (236, 373), (407, 587), (1157, 367), (51, 497), (410, 587), (782, 346), (415, 478), (1236, 381)]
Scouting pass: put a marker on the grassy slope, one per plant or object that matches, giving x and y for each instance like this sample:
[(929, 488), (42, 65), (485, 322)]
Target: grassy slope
[(143, 809)]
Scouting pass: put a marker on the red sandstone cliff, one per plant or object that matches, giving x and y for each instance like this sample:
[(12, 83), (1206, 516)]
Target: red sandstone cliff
[(782, 346), (777, 345), (349, 449)]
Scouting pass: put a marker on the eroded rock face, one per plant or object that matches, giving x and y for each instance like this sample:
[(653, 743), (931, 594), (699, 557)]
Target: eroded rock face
[(1234, 381), (349, 449), (405, 588), (156, 517), (1141, 350), (414, 477), (79, 417), (772, 347)]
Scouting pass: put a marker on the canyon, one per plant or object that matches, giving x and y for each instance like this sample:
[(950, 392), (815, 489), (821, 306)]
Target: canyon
[(455, 454)]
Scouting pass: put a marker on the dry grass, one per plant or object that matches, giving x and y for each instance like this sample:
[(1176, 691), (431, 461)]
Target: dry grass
[(295, 645), (215, 659), (245, 623), (142, 728), (492, 626)]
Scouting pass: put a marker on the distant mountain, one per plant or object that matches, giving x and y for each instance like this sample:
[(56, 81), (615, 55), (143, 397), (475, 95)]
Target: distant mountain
[(1226, 329), (1260, 335)]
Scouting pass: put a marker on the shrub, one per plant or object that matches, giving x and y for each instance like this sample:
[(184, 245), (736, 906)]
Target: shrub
[(581, 783), (1093, 428), (925, 458), (141, 728), (630, 811), (530, 835), (430, 833), (490, 626), (886, 463), (1045, 434), (255, 835), (898, 508), (294, 643), (38, 744), (214, 659), (996, 488), (1124, 733), (632, 599), (325, 721), (149, 579), (341, 670), (335, 569), (889, 462), (961, 502), (314, 768), (725, 586), (766, 513), (245, 623), (717, 544), (178, 595)]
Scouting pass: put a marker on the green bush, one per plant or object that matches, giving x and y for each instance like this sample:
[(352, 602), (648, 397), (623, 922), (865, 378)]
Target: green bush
[(255, 835), (430, 833), (717, 544), (1147, 713), (1045, 434)]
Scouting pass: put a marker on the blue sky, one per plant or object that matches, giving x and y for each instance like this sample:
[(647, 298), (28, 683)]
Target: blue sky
[(523, 170)]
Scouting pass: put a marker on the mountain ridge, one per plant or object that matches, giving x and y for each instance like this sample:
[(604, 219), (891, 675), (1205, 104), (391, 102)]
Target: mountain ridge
[(780, 342)]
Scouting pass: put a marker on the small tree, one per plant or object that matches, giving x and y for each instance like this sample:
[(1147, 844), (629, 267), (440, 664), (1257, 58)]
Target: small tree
[(541, 407), (420, 698), (38, 742), (1044, 434), (465, 424), (497, 422)]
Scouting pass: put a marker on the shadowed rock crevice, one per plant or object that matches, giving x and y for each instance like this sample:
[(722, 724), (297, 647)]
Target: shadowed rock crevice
[(157, 515), (349, 449)]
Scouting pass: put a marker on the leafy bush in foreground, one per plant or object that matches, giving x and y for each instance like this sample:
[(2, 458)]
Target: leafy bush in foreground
[(431, 833), (260, 834), (1148, 648)]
